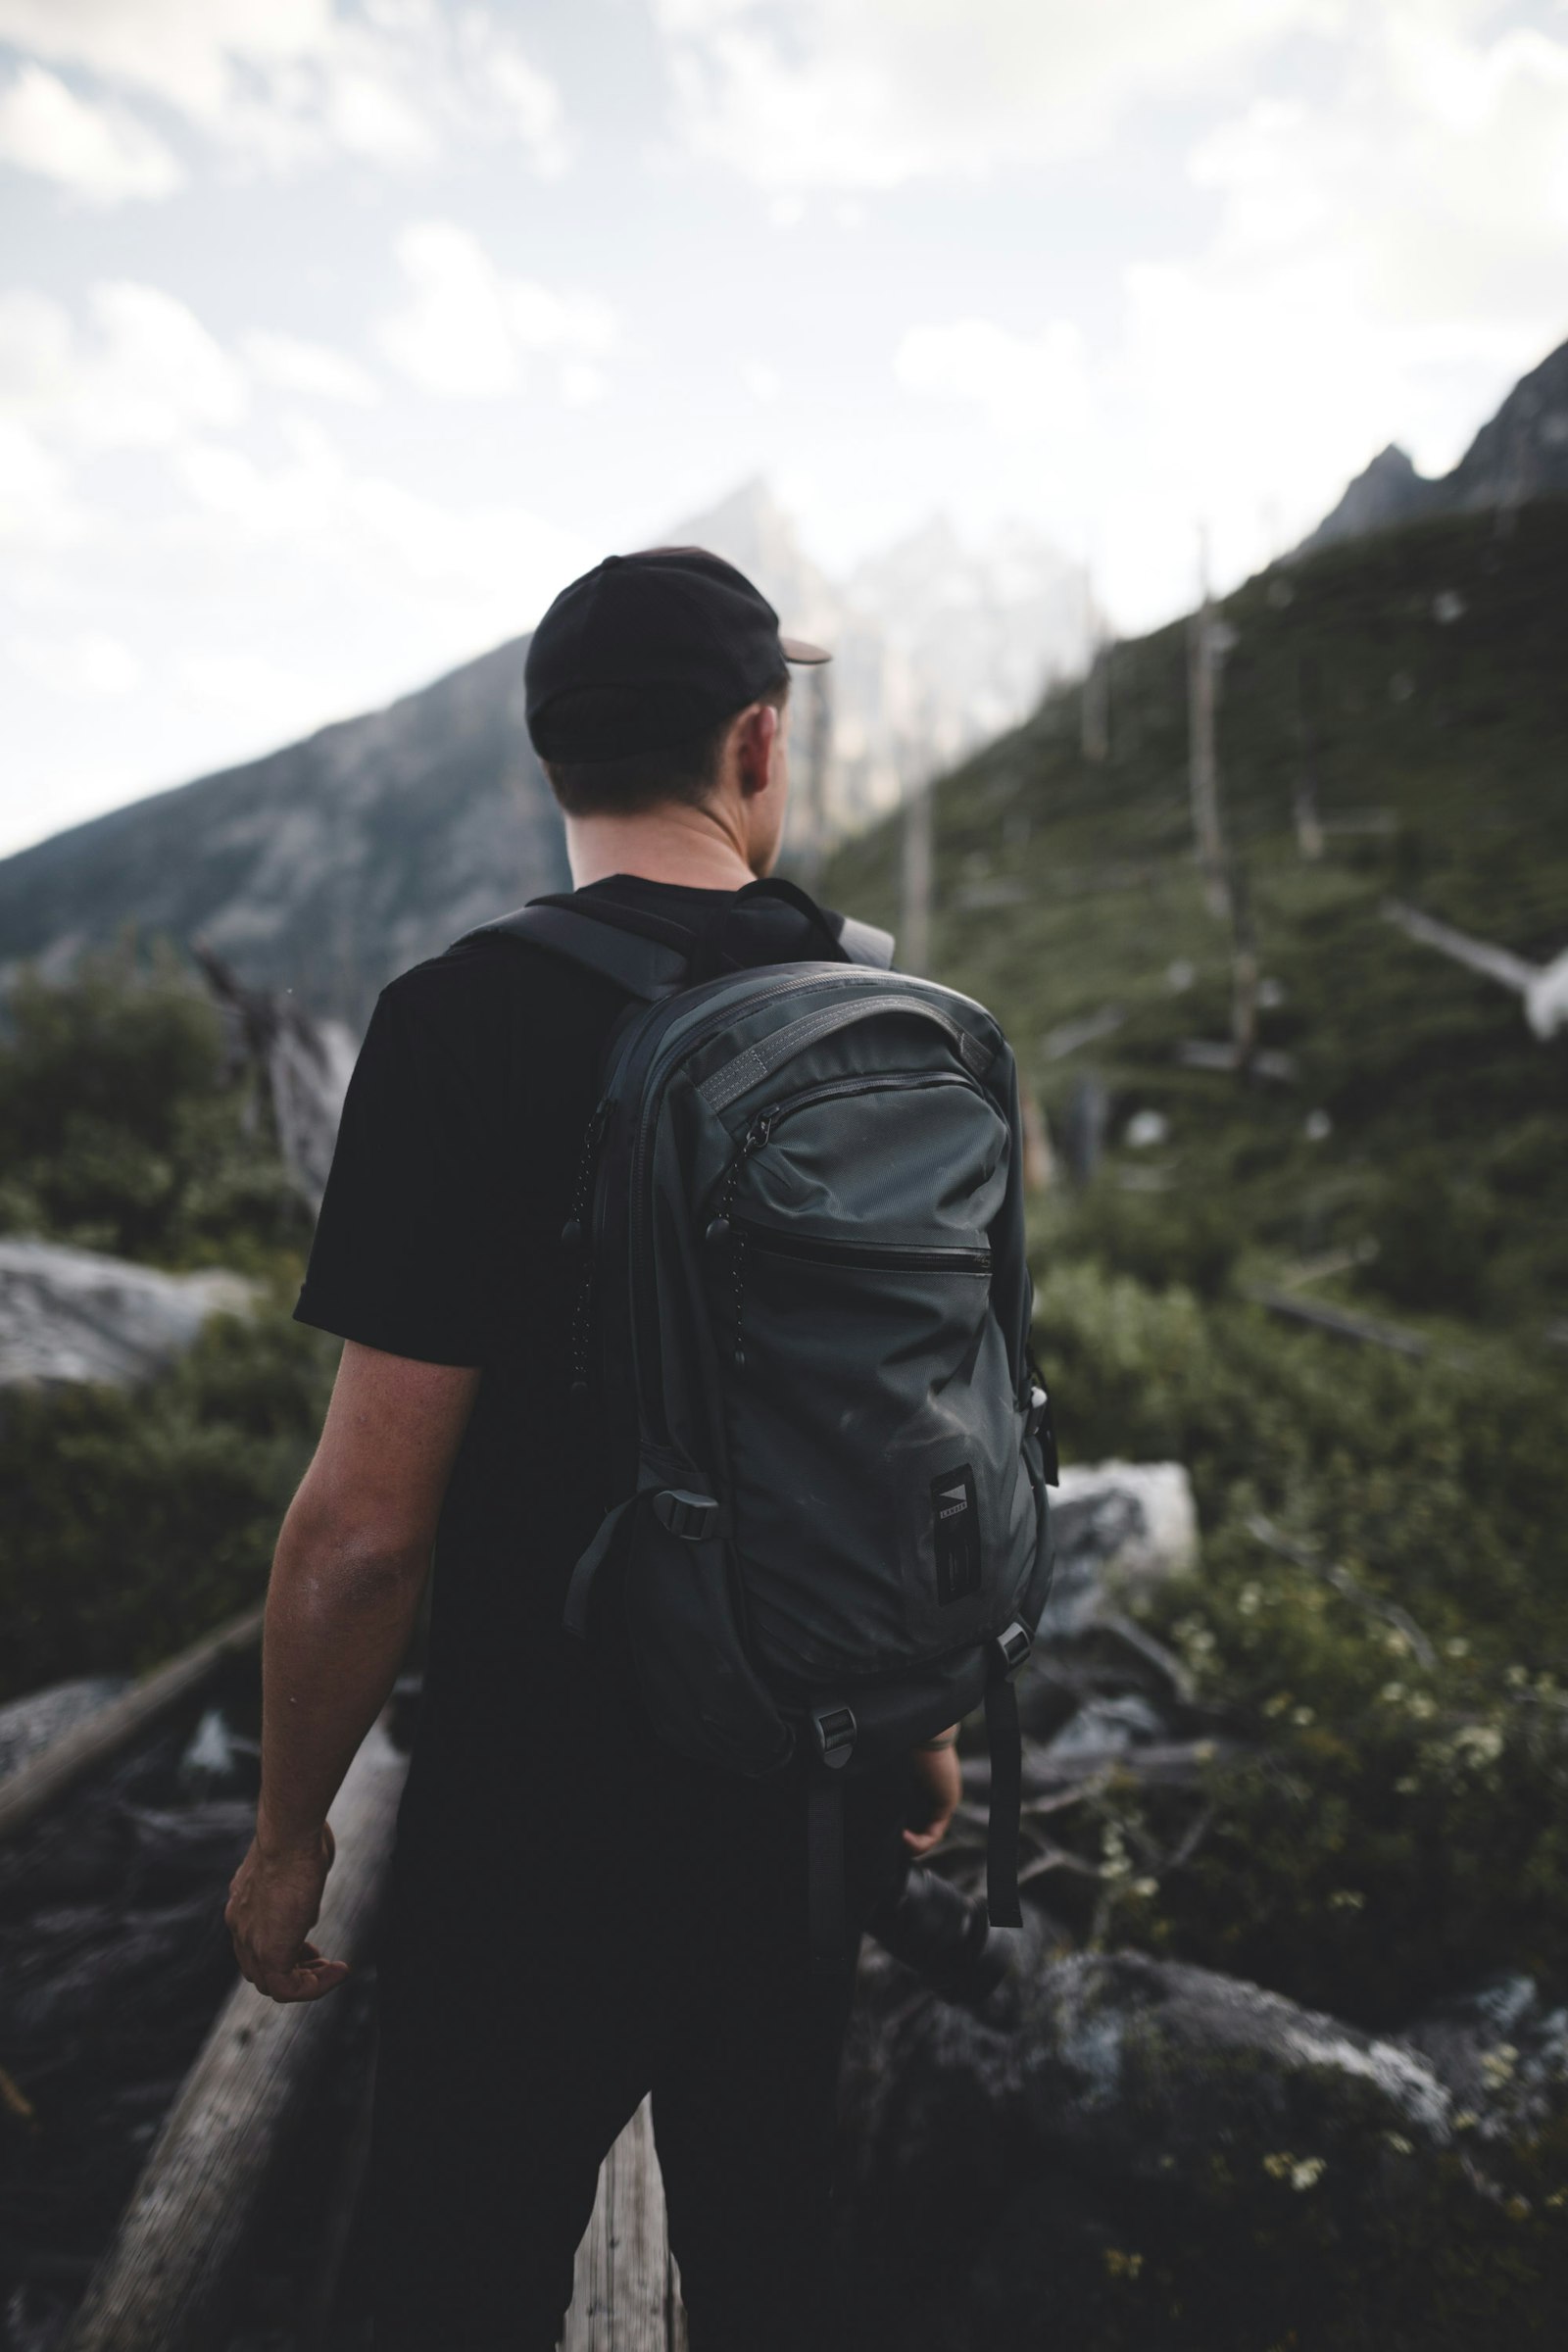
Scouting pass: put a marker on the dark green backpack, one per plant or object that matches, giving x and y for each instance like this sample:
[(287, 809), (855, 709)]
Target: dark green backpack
[(804, 1311)]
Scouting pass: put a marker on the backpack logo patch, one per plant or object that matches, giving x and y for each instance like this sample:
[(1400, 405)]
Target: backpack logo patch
[(956, 1533)]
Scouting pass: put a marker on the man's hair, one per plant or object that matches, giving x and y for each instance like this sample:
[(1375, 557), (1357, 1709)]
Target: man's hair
[(641, 780)]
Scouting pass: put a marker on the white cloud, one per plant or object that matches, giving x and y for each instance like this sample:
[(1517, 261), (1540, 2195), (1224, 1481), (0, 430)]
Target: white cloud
[(1387, 259), (185, 52), (581, 383), (146, 372), (871, 93), (468, 330), (1024, 383), (86, 662), (41, 515), (101, 152), (311, 369), (281, 84), (322, 517), (263, 597)]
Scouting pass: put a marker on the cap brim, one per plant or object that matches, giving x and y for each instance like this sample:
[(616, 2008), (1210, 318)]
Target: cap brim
[(801, 649)]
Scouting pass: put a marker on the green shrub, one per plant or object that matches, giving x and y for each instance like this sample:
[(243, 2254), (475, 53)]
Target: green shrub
[(1436, 1237), (123, 1127), (1390, 1831), (137, 1519)]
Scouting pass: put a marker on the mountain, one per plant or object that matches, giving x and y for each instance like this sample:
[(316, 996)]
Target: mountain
[(982, 627), (322, 868), (938, 641), (1521, 454), (329, 866)]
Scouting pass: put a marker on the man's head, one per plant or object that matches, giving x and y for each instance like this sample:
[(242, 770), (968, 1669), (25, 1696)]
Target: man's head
[(659, 682)]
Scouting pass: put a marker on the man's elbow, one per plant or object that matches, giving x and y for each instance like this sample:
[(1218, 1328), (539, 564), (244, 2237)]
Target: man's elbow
[(355, 1562)]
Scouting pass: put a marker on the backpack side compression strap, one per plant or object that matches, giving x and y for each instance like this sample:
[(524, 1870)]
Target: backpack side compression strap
[(644, 968)]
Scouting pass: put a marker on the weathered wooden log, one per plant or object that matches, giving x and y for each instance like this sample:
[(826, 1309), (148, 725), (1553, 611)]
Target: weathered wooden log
[(163, 2283), (626, 2295), (1345, 1325), (36, 1786)]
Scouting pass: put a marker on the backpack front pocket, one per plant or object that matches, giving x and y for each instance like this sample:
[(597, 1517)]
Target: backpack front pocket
[(876, 1489)]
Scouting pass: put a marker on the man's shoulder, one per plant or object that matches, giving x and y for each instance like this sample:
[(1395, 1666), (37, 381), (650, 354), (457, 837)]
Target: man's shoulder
[(492, 978)]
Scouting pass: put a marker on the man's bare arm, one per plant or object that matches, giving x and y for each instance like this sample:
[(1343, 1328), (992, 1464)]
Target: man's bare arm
[(347, 1579)]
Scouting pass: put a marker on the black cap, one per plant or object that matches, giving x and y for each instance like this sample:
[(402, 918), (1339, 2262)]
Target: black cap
[(673, 639)]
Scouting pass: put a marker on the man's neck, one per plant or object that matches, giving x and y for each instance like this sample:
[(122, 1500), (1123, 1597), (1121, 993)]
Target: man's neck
[(674, 845)]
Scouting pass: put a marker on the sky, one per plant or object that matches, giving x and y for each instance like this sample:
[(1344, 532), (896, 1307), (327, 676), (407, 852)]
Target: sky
[(335, 335)]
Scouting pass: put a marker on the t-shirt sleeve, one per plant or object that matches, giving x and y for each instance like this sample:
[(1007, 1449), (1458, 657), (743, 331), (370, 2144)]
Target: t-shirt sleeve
[(404, 1257)]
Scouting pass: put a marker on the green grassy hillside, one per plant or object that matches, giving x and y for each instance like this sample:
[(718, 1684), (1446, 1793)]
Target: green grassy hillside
[(1064, 889), (1391, 1830)]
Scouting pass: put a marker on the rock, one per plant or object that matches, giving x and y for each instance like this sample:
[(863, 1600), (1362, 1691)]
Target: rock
[(1110, 1727), (1102, 2108), (1504, 2054), (77, 1315), (304, 1062), (28, 1724), (1120, 1528)]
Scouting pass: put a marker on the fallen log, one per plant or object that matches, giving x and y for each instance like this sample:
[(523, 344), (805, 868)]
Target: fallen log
[(626, 2295), (1338, 1320), (162, 2285), (36, 1786)]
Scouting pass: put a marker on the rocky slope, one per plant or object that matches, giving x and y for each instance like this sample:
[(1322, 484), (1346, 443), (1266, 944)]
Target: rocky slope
[(326, 866), (1521, 454)]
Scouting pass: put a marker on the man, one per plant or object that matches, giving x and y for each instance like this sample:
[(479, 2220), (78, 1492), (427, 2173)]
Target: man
[(578, 1916)]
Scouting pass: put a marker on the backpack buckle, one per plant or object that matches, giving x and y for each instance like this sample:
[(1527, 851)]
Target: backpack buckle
[(1037, 1423), (692, 1517), (1011, 1649), (834, 1729)]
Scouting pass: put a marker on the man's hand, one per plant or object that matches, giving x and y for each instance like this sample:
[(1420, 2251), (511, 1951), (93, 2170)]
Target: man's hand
[(939, 1782), (273, 1902)]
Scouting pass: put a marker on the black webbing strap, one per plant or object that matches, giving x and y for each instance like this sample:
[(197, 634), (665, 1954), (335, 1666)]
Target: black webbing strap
[(1006, 1742), (653, 954), (644, 966), (824, 1871)]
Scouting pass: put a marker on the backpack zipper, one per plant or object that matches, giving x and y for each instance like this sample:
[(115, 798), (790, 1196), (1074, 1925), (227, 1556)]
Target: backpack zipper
[(767, 1120), (724, 1231), (882, 1258)]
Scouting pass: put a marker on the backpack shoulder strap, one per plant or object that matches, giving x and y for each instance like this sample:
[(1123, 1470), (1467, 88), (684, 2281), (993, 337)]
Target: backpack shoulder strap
[(649, 955), (642, 966), (862, 942)]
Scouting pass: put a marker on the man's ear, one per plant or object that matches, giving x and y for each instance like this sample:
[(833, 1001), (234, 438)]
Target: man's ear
[(755, 733)]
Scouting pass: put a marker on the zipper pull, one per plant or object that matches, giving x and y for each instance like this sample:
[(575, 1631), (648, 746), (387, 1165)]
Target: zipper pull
[(756, 1134)]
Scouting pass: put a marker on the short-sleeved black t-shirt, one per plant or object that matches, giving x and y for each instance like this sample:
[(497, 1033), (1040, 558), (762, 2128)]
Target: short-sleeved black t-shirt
[(439, 1238)]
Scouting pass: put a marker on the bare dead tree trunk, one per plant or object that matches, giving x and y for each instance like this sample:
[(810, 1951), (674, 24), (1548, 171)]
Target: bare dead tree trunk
[(1243, 965), (819, 756), (1095, 710), (1308, 823), (56, 1770), (1205, 648), (914, 933)]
